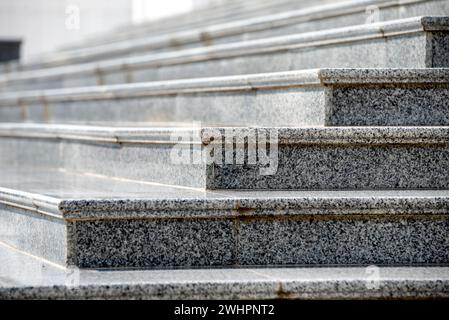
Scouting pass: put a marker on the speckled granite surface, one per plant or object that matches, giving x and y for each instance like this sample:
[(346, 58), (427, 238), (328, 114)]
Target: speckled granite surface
[(25, 277), (331, 15), (400, 43), (95, 222), (329, 158), (335, 97), (341, 158)]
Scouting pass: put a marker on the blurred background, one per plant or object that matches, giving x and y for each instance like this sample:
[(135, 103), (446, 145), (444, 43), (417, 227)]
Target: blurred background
[(47, 25)]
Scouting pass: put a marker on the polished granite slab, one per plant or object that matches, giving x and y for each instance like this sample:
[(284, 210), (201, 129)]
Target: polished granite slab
[(26, 277), (90, 221), (418, 42), (299, 19), (321, 97), (300, 158), (70, 191)]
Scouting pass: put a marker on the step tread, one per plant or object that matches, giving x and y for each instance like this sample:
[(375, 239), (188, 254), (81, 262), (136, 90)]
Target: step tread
[(72, 195), (24, 276)]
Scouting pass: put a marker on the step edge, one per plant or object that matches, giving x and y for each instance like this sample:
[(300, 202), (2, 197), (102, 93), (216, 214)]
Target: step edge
[(284, 135), (243, 83), (34, 202)]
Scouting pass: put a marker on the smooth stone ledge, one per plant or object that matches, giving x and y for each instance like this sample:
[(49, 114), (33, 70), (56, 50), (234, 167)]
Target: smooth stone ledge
[(285, 136), (335, 135), (265, 81), (25, 277)]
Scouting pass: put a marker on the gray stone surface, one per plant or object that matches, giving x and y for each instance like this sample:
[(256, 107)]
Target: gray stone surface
[(137, 153), (24, 277), (396, 44), (253, 241), (359, 240), (37, 233), (130, 224), (330, 16), (191, 20), (327, 158), (343, 158), (337, 97), (61, 192), (154, 244)]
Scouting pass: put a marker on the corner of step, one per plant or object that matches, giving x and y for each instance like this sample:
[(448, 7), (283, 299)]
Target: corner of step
[(435, 23)]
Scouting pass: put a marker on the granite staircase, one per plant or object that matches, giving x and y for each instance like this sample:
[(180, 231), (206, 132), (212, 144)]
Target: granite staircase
[(206, 159)]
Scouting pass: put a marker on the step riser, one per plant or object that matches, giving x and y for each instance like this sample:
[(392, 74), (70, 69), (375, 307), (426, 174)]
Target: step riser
[(156, 244), (405, 10), (256, 241), (387, 105), (388, 54), (34, 233), (415, 50), (149, 162), (332, 18), (337, 167), (287, 107)]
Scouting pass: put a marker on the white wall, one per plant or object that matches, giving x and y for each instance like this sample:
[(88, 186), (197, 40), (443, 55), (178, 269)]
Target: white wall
[(148, 10), (45, 25)]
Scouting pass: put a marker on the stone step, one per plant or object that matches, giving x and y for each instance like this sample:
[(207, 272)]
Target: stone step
[(334, 15), (78, 220), (329, 97), (26, 277), (408, 43), (333, 158)]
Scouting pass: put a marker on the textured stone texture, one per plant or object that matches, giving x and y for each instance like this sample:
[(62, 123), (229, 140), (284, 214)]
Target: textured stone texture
[(308, 158), (398, 44), (336, 97), (291, 22), (40, 280), (342, 167), (38, 234), (356, 240), (345, 158), (106, 194), (187, 243), (437, 49), (388, 106), (155, 244), (128, 224)]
